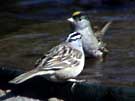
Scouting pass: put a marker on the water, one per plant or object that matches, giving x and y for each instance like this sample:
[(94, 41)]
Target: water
[(22, 44)]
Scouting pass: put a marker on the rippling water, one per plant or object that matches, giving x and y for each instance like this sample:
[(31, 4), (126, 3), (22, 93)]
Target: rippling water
[(28, 40)]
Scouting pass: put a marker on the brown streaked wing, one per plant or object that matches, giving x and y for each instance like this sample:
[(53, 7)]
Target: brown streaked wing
[(61, 56)]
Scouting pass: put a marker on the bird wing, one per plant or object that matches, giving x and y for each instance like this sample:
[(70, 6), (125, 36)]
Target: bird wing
[(59, 57)]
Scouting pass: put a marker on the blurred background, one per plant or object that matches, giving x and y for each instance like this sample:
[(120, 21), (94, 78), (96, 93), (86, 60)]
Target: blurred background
[(28, 28)]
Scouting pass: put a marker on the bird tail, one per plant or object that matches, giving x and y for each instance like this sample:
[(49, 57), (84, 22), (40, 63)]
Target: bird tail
[(104, 29), (101, 32), (25, 76)]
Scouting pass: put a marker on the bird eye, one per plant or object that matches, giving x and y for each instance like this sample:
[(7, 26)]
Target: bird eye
[(82, 17), (77, 18)]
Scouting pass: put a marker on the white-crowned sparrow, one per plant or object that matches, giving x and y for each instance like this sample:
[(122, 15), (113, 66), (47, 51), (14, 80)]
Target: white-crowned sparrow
[(91, 42), (61, 63)]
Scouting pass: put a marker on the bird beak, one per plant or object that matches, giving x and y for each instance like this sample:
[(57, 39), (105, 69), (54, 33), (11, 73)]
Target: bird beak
[(71, 20)]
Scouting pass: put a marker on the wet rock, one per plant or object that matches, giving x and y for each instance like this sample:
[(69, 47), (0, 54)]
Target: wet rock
[(2, 92), (20, 98), (54, 99)]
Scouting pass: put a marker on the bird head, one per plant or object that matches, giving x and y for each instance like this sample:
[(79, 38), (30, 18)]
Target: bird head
[(74, 37), (79, 20)]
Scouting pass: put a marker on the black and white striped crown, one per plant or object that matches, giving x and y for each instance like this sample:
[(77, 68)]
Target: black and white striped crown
[(74, 36)]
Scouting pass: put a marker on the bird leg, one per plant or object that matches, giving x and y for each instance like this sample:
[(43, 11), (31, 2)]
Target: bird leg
[(74, 83)]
